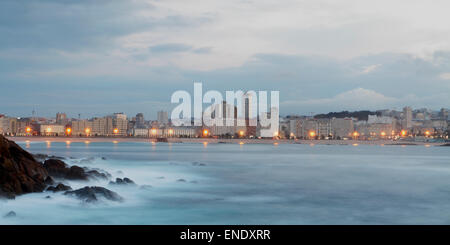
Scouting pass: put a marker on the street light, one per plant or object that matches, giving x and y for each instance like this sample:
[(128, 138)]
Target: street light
[(312, 134), (28, 130), (116, 131), (403, 133), (88, 131), (241, 133), (205, 132), (68, 131)]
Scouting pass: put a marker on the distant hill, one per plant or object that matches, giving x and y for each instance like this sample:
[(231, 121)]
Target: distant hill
[(360, 115)]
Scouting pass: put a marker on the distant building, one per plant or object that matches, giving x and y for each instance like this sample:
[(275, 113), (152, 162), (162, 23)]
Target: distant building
[(342, 127), (407, 118), (140, 121), (52, 130), (61, 118), (163, 118), (140, 132), (82, 128), (120, 124)]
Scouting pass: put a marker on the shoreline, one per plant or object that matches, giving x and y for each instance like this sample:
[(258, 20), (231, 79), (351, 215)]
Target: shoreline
[(220, 141)]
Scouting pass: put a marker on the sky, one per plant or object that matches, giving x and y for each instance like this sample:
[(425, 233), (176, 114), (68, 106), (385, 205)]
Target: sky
[(98, 57)]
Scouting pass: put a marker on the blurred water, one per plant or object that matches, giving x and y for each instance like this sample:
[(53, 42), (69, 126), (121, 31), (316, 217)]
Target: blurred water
[(249, 184)]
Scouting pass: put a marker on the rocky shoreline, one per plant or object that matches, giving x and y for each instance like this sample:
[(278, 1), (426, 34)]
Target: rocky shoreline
[(21, 173)]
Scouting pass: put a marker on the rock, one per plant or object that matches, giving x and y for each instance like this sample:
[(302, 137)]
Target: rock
[(97, 174), (181, 180), (59, 187), (56, 168), (76, 173), (48, 197), (124, 181), (49, 180), (20, 173), (10, 214), (92, 194), (103, 158), (59, 169)]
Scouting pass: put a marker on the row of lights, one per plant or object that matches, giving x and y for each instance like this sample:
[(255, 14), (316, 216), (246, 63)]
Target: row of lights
[(403, 133)]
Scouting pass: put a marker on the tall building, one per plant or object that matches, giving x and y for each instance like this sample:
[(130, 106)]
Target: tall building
[(341, 127), (120, 124), (140, 121), (407, 117), (163, 118), (61, 118)]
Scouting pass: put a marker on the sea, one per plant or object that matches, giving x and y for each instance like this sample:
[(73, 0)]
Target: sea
[(192, 183)]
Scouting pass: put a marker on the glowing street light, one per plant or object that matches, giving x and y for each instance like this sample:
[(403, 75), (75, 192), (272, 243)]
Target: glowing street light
[(68, 131), (170, 131), (87, 131), (383, 133), (241, 133), (312, 134), (355, 134), (427, 133), (49, 130), (116, 131), (153, 131), (205, 132), (28, 130), (403, 133)]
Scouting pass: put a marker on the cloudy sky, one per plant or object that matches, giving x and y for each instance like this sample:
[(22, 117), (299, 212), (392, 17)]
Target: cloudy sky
[(99, 57)]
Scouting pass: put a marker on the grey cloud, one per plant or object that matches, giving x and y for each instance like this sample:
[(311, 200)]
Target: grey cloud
[(170, 48)]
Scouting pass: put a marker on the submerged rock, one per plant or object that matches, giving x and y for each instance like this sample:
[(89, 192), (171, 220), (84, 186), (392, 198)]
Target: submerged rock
[(59, 187), (92, 194), (124, 181), (10, 214), (20, 173), (181, 180), (60, 169)]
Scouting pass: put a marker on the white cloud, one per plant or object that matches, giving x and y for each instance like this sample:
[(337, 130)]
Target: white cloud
[(238, 29), (354, 99), (369, 69)]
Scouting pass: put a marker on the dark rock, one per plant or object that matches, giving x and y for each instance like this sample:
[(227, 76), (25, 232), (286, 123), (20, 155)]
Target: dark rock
[(59, 169), (181, 180), (48, 197), (124, 181), (10, 214), (20, 173), (97, 174), (103, 158), (49, 180), (56, 168), (92, 194), (59, 187), (76, 173)]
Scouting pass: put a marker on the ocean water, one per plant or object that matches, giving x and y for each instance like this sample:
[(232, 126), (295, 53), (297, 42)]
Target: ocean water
[(184, 183)]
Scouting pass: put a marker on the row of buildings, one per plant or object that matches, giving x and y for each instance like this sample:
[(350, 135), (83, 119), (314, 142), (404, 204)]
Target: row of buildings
[(380, 124)]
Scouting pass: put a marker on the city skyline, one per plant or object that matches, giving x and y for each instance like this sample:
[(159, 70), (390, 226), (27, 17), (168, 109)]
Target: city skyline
[(321, 56)]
